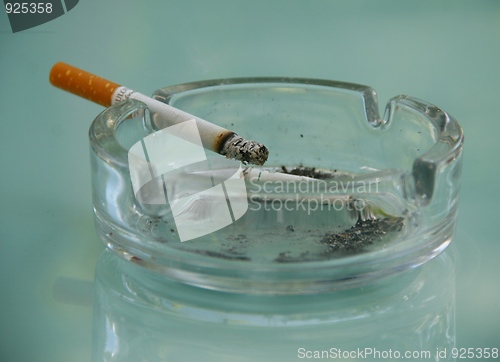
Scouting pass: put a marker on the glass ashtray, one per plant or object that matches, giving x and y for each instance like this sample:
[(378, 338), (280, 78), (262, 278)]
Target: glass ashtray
[(345, 197)]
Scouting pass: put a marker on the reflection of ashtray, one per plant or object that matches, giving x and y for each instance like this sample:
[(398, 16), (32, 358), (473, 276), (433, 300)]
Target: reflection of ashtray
[(345, 196)]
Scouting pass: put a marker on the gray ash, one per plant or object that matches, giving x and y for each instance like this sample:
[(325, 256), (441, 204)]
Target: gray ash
[(226, 256), (330, 245), (311, 172), (244, 150), (361, 235)]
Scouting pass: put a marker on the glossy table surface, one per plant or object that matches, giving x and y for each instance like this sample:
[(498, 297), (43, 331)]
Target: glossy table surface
[(444, 52)]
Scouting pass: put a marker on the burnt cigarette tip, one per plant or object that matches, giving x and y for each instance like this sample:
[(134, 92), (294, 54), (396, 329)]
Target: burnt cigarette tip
[(245, 151)]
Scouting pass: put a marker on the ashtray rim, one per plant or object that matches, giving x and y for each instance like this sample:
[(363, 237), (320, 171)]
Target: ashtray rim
[(177, 263)]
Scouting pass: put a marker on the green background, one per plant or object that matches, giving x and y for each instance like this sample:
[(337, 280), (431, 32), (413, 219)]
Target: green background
[(445, 52)]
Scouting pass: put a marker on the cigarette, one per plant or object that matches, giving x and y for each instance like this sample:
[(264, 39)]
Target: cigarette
[(107, 93), (253, 175)]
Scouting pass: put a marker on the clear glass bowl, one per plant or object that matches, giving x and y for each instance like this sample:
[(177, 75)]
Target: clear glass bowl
[(387, 200)]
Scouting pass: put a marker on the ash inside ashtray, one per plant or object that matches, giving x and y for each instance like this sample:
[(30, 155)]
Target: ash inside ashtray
[(280, 229), (311, 172), (363, 234)]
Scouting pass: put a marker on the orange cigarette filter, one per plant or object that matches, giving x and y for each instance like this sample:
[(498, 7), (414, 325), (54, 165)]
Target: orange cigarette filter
[(101, 91), (82, 83)]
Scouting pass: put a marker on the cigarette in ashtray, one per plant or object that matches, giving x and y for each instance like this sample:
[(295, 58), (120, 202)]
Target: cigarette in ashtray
[(107, 93), (253, 175)]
